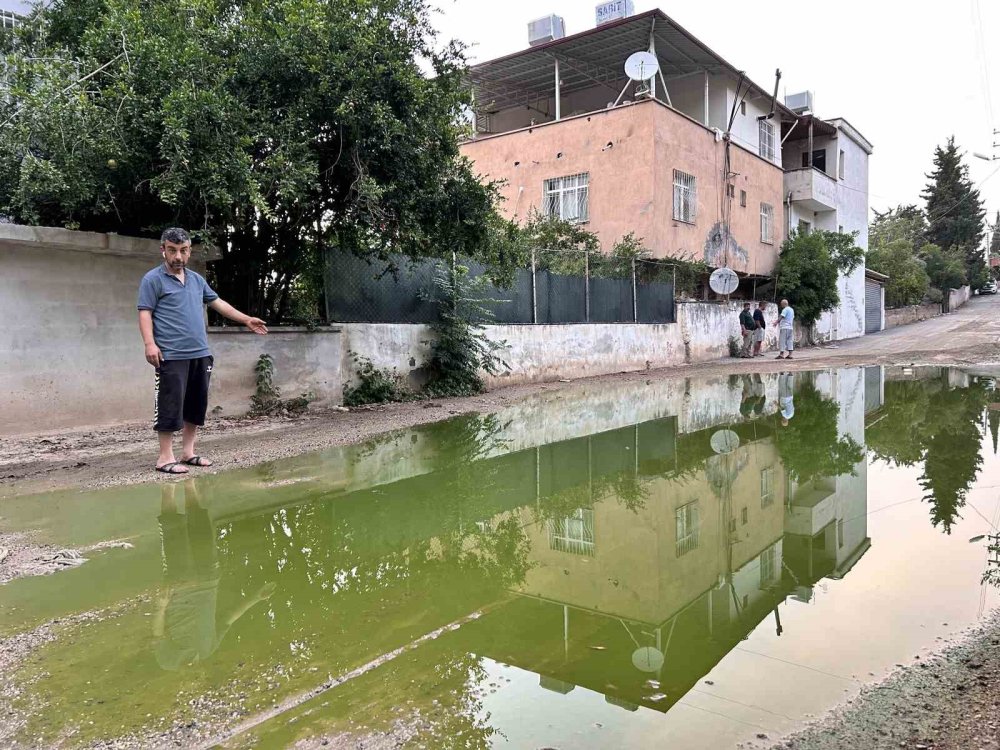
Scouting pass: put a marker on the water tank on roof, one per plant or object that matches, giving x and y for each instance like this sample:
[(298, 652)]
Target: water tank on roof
[(800, 103), (546, 29)]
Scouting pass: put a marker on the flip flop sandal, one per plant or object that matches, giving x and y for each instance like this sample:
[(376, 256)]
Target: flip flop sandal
[(197, 461), (169, 468)]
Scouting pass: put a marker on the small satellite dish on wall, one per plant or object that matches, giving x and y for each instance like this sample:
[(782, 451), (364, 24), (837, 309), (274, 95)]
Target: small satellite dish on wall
[(725, 441), (641, 66), (723, 281)]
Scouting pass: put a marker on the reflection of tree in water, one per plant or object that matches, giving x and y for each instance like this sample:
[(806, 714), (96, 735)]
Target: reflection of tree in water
[(810, 445), (930, 421)]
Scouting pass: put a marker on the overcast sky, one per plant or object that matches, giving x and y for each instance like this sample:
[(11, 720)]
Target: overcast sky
[(907, 78)]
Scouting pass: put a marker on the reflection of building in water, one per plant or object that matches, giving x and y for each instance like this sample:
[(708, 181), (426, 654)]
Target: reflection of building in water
[(617, 596)]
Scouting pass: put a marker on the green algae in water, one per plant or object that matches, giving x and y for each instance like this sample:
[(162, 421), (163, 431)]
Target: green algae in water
[(518, 578)]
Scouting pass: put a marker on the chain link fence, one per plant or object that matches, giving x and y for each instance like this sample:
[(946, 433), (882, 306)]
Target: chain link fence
[(559, 287)]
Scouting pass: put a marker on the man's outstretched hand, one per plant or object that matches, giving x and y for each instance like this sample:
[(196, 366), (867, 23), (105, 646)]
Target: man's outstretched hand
[(257, 326), (153, 355)]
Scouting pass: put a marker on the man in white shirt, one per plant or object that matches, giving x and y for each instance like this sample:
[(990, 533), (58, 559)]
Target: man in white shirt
[(786, 327)]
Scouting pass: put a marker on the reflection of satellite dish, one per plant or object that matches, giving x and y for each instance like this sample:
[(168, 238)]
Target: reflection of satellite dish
[(647, 659), (641, 66), (725, 441), (723, 281)]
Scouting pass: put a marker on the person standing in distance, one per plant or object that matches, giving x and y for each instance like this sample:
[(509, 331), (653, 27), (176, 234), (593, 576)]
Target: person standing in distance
[(172, 301), (786, 328)]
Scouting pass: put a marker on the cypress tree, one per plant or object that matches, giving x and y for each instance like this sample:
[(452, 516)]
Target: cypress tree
[(955, 213)]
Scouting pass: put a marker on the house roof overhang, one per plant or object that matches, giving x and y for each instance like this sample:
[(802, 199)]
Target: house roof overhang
[(597, 57)]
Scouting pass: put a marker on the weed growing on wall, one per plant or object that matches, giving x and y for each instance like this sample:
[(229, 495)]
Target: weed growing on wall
[(460, 349), (266, 399), (375, 385)]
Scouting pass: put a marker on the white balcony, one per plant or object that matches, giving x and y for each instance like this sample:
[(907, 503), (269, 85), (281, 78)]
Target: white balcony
[(811, 188)]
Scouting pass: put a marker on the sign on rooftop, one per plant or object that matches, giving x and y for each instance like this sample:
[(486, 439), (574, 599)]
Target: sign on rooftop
[(613, 10)]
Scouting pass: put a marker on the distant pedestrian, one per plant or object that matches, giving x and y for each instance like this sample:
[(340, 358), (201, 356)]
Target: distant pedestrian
[(786, 329), (747, 327), (172, 302), (758, 334)]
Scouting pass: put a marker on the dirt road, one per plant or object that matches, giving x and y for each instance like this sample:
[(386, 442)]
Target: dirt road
[(124, 453)]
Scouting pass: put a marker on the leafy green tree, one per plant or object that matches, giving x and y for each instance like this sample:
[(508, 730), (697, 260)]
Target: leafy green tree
[(908, 279), (808, 268), (283, 132), (900, 223), (946, 269), (955, 213)]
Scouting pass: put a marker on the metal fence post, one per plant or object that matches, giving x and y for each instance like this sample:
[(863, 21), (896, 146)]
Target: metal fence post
[(635, 300), (586, 284), (534, 290), (673, 297)]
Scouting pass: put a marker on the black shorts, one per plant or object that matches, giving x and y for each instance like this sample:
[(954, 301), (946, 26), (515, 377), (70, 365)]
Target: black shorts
[(181, 393)]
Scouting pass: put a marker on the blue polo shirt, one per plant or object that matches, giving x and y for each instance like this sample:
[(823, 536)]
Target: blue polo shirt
[(178, 311)]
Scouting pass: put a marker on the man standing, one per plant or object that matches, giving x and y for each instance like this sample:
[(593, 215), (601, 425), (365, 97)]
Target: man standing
[(758, 334), (172, 324), (786, 327), (747, 327)]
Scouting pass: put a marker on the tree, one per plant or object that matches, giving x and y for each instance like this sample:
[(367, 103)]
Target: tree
[(955, 213), (281, 131), (808, 268), (900, 223), (946, 269), (908, 279), (995, 242)]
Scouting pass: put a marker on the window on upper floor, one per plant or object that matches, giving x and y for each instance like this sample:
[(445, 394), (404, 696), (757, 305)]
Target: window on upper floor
[(568, 198), (840, 166), (818, 159), (743, 198), (766, 486), (767, 223), (688, 524), (8, 20), (573, 534), (743, 108), (685, 197), (766, 139)]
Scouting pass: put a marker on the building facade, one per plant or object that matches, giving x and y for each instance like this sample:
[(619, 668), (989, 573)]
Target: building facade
[(697, 161)]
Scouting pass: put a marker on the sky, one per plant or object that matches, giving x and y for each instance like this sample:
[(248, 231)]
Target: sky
[(906, 77)]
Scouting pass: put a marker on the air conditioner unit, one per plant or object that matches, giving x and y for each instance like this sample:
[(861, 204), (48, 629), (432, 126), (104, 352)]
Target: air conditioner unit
[(800, 103), (546, 29)]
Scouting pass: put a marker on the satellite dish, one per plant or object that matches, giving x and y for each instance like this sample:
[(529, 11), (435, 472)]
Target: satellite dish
[(641, 66), (723, 281), (647, 659), (725, 441)]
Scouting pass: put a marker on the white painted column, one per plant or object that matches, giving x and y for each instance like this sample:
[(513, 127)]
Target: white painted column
[(558, 102), (705, 117)]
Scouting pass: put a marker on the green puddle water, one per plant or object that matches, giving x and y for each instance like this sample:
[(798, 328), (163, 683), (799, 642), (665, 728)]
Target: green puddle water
[(670, 563)]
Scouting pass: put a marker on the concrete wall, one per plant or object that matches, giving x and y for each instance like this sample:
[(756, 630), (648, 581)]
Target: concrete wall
[(631, 183), (305, 363), (910, 314), (958, 297), (551, 352), (70, 348)]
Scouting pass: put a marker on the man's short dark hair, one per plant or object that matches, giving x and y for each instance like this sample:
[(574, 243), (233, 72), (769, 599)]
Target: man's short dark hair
[(175, 236), (746, 304)]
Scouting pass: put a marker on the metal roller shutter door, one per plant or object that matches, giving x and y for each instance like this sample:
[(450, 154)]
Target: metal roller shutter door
[(873, 307)]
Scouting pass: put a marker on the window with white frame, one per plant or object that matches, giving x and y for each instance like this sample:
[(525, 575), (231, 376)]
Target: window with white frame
[(767, 223), (8, 20), (769, 566), (685, 197), (568, 198), (687, 528), (766, 486), (573, 534), (766, 139)]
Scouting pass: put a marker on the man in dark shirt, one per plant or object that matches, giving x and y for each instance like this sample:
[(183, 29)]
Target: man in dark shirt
[(172, 302), (758, 334), (747, 327)]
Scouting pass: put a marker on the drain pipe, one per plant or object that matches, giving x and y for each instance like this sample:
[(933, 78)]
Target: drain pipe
[(788, 216)]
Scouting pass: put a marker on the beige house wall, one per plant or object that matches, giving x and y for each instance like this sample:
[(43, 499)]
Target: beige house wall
[(635, 571), (631, 182)]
